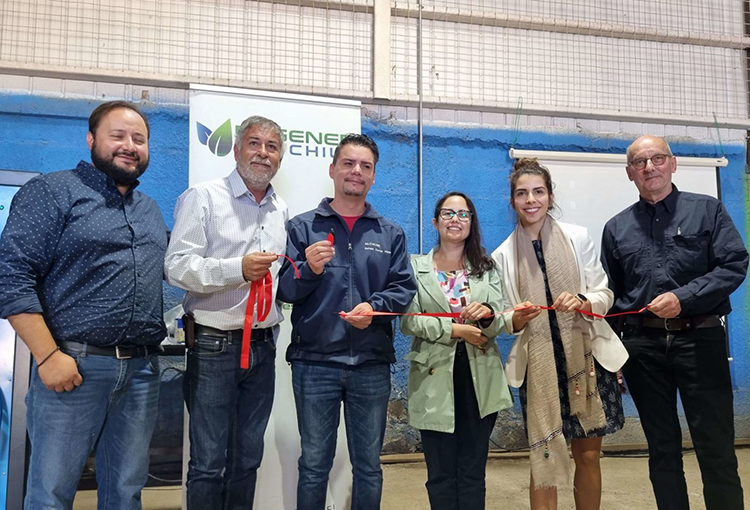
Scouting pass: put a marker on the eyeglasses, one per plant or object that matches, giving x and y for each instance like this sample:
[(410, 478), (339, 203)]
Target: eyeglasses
[(657, 160), (448, 214)]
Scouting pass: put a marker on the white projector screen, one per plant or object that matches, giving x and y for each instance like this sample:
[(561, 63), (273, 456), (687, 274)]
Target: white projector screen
[(590, 193)]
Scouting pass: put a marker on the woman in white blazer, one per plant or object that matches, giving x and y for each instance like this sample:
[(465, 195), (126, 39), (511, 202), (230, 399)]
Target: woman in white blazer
[(568, 386)]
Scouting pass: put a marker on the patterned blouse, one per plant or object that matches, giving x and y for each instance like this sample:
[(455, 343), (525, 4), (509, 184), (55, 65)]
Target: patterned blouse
[(455, 286)]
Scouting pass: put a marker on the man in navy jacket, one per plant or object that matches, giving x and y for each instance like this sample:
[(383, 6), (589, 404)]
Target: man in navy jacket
[(351, 260)]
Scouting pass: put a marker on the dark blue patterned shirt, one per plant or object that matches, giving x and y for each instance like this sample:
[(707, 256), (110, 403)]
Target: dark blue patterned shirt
[(85, 256)]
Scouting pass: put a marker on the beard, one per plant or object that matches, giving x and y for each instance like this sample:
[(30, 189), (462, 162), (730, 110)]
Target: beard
[(353, 192), (354, 189), (118, 174), (254, 179)]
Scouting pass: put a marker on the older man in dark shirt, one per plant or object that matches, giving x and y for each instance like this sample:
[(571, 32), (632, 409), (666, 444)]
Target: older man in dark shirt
[(81, 262), (679, 254)]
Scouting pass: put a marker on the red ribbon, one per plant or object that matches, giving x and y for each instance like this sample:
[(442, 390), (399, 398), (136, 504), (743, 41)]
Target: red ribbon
[(261, 292), (458, 315), (296, 271)]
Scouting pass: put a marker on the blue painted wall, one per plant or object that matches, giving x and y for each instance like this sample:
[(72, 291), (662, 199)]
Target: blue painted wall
[(41, 134), (476, 161), (48, 134)]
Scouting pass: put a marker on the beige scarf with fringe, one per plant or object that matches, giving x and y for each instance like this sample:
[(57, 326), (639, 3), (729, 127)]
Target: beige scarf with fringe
[(550, 462)]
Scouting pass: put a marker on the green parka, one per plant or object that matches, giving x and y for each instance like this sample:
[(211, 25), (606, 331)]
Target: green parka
[(433, 351)]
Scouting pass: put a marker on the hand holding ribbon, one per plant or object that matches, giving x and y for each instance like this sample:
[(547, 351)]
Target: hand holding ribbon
[(256, 265), (261, 292), (518, 309), (319, 254), (360, 317)]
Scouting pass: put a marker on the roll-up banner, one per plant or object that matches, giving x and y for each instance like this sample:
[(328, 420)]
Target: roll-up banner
[(312, 128)]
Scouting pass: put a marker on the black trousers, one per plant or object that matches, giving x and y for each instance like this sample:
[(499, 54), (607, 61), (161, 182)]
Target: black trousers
[(456, 462), (695, 363)]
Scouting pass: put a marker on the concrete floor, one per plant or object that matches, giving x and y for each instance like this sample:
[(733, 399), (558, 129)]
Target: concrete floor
[(626, 486)]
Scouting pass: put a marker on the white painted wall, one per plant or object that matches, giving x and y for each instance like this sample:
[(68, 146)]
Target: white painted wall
[(326, 48)]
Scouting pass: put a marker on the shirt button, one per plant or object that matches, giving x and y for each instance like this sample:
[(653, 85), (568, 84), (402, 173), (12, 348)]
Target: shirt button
[(657, 219), (658, 265), (137, 303), (432, 371), (139, 274)]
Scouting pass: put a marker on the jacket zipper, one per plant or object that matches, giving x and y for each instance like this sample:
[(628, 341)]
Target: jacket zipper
[(351, 304)]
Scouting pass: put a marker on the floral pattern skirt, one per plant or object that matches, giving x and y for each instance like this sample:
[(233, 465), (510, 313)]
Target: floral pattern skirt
[(609, 391)]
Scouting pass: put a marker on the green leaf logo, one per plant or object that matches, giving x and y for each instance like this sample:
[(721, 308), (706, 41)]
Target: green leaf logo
[(220, 142)]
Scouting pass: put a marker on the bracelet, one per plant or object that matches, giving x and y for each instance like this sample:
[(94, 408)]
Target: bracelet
[(48, 357)]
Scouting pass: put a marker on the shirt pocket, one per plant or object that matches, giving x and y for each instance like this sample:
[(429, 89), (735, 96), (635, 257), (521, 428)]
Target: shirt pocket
[(689, 254), (630, 256)]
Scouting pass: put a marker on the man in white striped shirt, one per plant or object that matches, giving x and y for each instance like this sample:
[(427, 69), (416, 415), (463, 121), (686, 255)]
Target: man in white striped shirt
[(227, 233)]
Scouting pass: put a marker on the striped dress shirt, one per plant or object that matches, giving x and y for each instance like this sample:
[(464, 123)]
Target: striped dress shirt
[(216, 224)]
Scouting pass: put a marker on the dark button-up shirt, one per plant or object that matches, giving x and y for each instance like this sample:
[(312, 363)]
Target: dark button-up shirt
[(86, 257), (685, 244)]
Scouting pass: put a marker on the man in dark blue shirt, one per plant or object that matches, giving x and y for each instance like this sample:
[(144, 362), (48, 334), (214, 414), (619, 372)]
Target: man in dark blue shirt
[(679, 254), (81, 261)]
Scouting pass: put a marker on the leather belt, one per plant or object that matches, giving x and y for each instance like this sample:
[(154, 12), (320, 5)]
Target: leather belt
[(115, 351), (257, 334), (676, 324)]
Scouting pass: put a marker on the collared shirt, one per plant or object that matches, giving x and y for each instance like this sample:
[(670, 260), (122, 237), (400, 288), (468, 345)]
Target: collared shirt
[(86, 257), (216, 224), (685, 244)]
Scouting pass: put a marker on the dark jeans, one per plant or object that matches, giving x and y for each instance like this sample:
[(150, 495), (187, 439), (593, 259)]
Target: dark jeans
[(318, 393), (229, 410), (456, 462), (695, 363)]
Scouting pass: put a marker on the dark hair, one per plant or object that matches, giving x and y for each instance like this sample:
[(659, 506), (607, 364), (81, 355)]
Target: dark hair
[(530, 166), (473, 250), (103, 109), (359, 141)]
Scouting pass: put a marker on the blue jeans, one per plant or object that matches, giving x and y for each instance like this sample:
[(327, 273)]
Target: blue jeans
[(113, 412), (229, 410), (318, 393)]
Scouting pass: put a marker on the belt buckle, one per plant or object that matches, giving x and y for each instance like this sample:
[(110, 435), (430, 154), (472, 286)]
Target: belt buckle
[(121, 356), (666, 324)]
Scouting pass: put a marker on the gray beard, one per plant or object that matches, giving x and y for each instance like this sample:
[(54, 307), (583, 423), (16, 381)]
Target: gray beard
[(255, 180)]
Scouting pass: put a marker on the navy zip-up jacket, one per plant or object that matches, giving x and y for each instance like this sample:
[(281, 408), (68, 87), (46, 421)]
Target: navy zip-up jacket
[(371, 264)]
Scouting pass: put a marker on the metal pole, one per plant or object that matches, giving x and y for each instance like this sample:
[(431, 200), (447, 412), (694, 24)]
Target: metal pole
[(419, 127)]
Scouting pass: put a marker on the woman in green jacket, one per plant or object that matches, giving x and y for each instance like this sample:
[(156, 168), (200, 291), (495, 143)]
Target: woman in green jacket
[(456, 379)]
